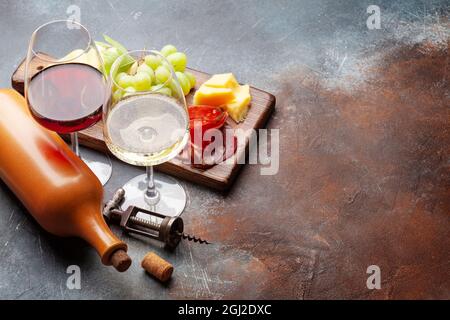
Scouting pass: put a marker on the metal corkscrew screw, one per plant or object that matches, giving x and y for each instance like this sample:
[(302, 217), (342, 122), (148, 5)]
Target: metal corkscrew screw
[(192, 238), (147, 223)]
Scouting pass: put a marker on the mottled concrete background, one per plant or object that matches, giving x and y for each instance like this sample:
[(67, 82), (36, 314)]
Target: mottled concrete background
[(365, 160)]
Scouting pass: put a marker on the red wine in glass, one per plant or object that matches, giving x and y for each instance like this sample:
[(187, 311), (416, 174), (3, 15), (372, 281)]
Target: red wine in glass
[(67, 98)]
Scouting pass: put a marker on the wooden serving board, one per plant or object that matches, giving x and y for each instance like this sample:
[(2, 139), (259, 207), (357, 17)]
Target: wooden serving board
[(220, 176)]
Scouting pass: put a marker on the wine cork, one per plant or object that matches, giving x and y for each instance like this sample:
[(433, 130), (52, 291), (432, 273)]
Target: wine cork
[(120, 260), (157, 266)]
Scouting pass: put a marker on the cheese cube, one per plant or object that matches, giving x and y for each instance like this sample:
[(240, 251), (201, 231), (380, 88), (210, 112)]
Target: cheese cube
[(224, 80), (238, 108), (213, 96)]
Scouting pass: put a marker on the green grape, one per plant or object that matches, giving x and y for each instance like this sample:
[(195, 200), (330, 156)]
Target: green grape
[(176, 89), (165, 91), (129, 91), (162, 90), (152, 61), (162, 74), (145, 68), (178, 60), (115, 44), (184, 82), (119, 76), (109, 56), (126, 61), (168, 49), (142, 81), (124, 80), (191, 78)]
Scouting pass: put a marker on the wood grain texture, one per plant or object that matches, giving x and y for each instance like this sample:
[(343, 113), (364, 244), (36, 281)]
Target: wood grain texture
[(220, 176)]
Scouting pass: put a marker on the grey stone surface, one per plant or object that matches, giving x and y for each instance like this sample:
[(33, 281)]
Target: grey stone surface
[(256, 40)]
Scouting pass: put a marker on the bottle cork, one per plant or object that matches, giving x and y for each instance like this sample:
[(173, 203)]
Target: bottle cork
[(120, 260), (157, 266)]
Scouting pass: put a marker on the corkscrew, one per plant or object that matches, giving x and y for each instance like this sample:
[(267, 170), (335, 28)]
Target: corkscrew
[(169, 230)]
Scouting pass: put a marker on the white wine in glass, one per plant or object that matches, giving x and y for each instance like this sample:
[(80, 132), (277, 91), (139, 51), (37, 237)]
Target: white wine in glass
[(147, 128)]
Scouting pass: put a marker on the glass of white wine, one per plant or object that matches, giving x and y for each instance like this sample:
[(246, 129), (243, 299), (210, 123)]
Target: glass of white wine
[(146, 123)]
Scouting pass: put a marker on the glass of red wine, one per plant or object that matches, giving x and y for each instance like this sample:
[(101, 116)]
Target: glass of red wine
[(65, 84)]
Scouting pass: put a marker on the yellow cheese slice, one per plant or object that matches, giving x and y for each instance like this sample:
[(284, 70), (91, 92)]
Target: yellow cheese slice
[(238, 108), (224, 80), (213, 96)]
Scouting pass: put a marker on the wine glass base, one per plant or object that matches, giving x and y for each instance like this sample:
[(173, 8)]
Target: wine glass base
[(100, 165), (172, 195)]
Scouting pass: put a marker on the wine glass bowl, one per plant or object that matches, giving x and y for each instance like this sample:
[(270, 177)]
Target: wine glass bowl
[(66, 107), (147, 126), (65, 84)]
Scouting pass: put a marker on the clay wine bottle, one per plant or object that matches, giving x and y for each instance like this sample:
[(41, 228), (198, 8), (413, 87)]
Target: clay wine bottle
[(56, 187)]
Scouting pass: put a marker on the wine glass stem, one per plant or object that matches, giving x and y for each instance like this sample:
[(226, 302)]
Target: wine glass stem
[(74, 143), (151, 194)]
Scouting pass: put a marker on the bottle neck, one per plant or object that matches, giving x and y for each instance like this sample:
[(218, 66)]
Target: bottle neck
[(93, 229)]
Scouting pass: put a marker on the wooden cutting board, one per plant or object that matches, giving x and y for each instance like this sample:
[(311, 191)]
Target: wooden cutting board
[(220, 176)]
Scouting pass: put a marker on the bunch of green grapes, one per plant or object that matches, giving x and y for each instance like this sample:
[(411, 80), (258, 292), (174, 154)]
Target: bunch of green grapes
[(152, 74), (178, 60)]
